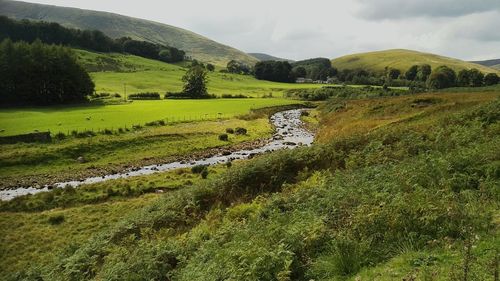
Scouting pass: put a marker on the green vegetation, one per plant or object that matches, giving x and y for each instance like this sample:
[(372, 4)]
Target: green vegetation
[(93, 154), (111, 71), (116, 26), (399, 187), (53, 33), (41, 74), (99, 117), (402, 60)]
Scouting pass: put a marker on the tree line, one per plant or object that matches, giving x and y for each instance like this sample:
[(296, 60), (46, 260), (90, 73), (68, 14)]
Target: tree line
[(94, 40), (41, 74), (417, 76)]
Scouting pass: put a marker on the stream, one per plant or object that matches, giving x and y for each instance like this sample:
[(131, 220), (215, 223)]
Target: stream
[(289, 133)]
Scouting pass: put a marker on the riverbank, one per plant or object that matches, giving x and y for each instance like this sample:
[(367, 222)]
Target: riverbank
[(289, 133)]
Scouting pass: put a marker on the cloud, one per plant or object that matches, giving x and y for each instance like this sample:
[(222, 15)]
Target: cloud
[(401, 9)]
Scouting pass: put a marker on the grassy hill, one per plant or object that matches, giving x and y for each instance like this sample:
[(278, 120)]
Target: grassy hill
[(115, 25), (111, 71), (266, 57), (402, 60), (490, 63)]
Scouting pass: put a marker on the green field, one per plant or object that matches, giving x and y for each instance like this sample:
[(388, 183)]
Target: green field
[(401, 59), (65, 119), (395, 188), (111, 72)]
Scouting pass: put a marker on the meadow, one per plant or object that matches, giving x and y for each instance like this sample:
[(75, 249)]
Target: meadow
[(29, 164), (111, 72), (360, 204), (99, 117)]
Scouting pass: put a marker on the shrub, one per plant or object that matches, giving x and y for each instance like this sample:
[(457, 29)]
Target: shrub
[(56, 219), (155, 123), (60, 136), (223, 137), (144, 96), (198, 169), (229, 96), (240, 131), (204, 173), (230, 130)]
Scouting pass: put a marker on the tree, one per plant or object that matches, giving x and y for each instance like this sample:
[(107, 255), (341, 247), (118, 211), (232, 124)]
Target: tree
[(237, 67), (41, 74), (423, 73), (463, 78), (491, 79), (411, 73), (210, 67), (393, 73), (277, 71), (476, 78), (300, 72), (195, 82), (442, 77)]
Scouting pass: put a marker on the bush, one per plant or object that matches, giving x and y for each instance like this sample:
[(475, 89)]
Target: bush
[(144, 96), (156, 123), (56, 219), (229, 96), (229, 130), (60, 136), (204, 173), (240, 131), (223, 137), (198, 169)]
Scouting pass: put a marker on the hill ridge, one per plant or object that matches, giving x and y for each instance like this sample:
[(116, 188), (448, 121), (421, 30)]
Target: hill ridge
[(115, 25), (401, 59)]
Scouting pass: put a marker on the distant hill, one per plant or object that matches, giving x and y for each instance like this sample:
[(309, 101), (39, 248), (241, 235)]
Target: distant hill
[(115, 25), (490, 63), (266, 57), (402, 59)]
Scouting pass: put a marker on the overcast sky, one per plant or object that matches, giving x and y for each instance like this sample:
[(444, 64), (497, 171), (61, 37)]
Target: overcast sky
[(465, 29)]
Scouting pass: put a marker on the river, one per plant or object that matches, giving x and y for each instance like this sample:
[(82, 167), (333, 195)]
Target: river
[(289, 133)]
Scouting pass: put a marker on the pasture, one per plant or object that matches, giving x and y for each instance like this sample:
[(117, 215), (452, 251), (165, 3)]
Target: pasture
[(113, 72), (99, 117)]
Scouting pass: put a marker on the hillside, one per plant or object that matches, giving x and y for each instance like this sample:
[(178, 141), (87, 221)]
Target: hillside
[(402, 60), (111, 70), (115, 25), (266, 57), (490, 63)]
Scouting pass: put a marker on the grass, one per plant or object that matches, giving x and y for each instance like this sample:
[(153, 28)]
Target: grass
[(28, 237), (99, 117), (401, 59), (111, 71), (348, 117), (396, 189), (51, 162)]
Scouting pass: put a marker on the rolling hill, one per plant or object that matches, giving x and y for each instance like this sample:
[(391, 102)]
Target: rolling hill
[(114, 25), (490, 63), (266, 57), (402, 60)]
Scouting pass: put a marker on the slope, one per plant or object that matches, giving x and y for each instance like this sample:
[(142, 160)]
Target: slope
[(266, 57), (401, 59), (111, 70), (115, 25)]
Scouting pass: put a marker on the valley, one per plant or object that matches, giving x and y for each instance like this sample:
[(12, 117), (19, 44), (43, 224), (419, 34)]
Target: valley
[(136, 150)]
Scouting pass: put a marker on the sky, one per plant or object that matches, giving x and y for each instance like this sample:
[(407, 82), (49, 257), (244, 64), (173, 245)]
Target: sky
[(465, 29)]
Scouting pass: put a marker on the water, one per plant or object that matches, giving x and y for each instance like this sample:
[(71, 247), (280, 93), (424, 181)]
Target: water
[(289, 134)]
